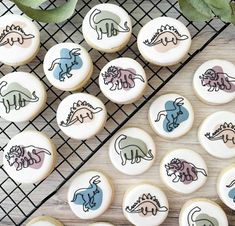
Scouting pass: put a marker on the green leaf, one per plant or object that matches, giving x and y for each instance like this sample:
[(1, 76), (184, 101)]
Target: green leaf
[(221, 8), (31, 3), (196, 10), (232, 4), (55, 15)]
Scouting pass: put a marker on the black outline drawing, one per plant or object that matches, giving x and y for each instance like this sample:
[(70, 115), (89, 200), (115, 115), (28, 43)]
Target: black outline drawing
[(15, 98), (201, 221), (5, 36), (173, 113), (109, 26), (74, 115), (24, 156), (132, 152), (140, 205), (222, 133), (63, 63), (177, 166), (232, 183), (160, 38), (216, 80), (88, 194), (120, 78)]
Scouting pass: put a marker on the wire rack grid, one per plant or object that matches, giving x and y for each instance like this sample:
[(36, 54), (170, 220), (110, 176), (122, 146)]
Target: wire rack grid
[(18, 201)]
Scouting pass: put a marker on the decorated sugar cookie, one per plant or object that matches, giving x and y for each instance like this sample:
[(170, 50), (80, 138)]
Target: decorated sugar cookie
[(22, 96), (145, 204), (44, 221), (81, 116), (29, 157), (226, 186), (183, 171), (202, 212), (214, 82), (107, 27), (101, 224), (19, 40), (90, 194), (122, 80), (171, 116), (164, 41), (132, 151), (217, 134), (68, 66)]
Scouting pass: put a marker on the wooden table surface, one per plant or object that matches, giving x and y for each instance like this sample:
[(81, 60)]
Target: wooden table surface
[(222, 47)]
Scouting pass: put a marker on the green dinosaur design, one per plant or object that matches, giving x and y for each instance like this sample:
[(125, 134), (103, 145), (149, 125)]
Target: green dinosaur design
[(132, 149), (15, 96)]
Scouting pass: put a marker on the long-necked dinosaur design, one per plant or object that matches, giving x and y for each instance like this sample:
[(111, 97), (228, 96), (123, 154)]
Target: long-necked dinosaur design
[(201, 219), (90, 197), (146, 204), (15, 96), (231, 193), (106, 22), (132, 149), (14, 34), (69, 60), (174, 114)]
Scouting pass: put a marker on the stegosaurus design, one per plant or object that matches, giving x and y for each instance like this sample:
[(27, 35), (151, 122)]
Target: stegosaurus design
[(13, 34), (225, 132), (80, 111), (146, 204)]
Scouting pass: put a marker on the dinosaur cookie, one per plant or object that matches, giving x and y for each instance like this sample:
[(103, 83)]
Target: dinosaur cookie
[(217, 134), (44, 221), (107, 28), (22, 96), (202, 212), (171, 116), (183, 171), (19, 40), (214, 82), (68, 66), (29, 160), (132, 151), (164, 41), (122, 80), (145, 204), (81, 116), (90, 194), (226, 186)]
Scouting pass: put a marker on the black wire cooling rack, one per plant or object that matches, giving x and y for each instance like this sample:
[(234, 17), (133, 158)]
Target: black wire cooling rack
[(17, 201)]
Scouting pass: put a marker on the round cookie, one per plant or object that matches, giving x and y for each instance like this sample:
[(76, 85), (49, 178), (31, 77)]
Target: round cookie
[(216, 134), (107, 28), (183, 171), (19, 40), (123, 80), (226, 186), (44, 221), (171, 116), (132, 151), (22, 96), (29, 160), (214, 82), (90, 194), (81, 116), (201, 211), (68, 66), (101, 224), (145, 204), (164, 41)]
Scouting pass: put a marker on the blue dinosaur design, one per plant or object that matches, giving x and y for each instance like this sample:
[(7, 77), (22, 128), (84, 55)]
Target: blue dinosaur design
[(69, 60), (231, 193), (174, 114), (91, 197)]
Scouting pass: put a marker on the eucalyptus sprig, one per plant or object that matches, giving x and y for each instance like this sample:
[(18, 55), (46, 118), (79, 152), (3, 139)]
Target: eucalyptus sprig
[(204, 10)]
